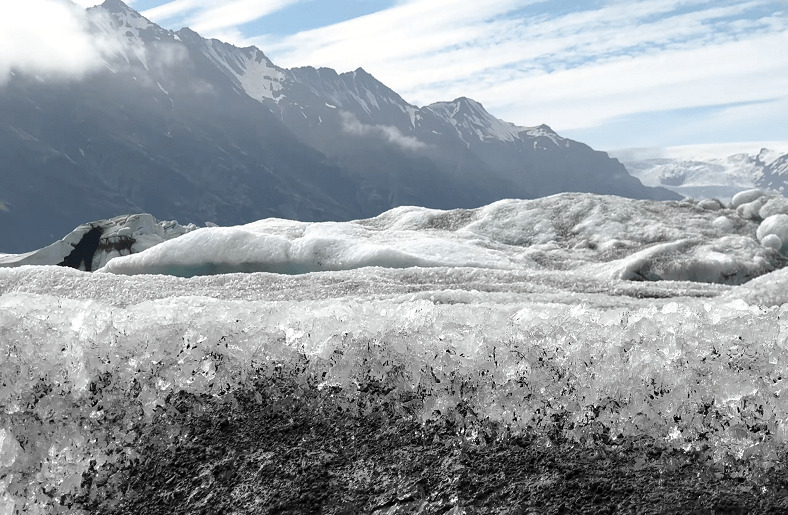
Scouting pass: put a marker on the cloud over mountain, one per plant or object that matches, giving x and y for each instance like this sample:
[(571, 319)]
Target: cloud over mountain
[(50, 38), (389, 133)]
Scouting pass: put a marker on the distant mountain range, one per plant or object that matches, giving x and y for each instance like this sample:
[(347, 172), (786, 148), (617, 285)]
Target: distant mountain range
[(197, 130), (711, 177)]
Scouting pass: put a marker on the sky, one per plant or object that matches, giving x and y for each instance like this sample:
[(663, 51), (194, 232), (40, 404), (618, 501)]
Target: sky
[(611, 73)]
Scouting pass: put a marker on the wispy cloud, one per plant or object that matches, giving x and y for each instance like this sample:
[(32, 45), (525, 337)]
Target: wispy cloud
[(49, 38), (390, 134), (575, 66), (214, 18), (573, 70)]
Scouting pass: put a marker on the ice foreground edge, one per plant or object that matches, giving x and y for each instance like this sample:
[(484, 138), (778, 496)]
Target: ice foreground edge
[(96, 367)]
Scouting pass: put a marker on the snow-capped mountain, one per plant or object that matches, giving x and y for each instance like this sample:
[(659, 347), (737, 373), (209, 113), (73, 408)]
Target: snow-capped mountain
[(197, 130), (774, 175), (707, 176)]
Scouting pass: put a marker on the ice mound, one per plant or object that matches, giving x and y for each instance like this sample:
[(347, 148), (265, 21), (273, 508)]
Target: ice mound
[(82, 379), (286, 247), (751, 210), (91, 246), (776, 225), (727, 260), (610, 237), (772, 241), (746, 197), (712, 204), (768, 290), (618, 238), (774, 206)]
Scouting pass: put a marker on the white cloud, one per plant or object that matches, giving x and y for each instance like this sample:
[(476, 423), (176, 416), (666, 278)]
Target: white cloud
[(739, 71), (175, 9), (575, 70), (522, 59), (352, 125), (48, 38), (411, 30), (236, 12), (212, 18)]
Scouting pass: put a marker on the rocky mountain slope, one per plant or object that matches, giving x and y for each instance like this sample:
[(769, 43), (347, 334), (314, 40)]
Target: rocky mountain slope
[(197, 130)]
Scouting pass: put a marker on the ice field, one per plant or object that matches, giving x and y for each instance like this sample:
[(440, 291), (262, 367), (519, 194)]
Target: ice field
[(545, 316)]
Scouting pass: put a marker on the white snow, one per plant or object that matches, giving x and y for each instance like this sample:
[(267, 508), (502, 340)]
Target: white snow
[(119, 34), (751, 210), (703, 171), (768, 290), (602, 236), (745, 197), (774, 206), (527, 345), (478, 122), (144, 230), (411, 112), (258, 77), (775, 224), (772, 241)]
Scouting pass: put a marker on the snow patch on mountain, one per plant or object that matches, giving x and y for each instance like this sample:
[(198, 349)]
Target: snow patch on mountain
[(469, 117), (249, 67), (356, 91), (124, 28), (775, 175)]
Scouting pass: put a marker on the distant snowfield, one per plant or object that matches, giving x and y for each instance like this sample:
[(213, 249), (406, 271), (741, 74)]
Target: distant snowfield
[(720, 150), (522, 313), (702, 171), (708, 151)]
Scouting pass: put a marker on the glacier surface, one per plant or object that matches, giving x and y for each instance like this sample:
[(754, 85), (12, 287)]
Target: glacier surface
[(603, 236), (520, 314)]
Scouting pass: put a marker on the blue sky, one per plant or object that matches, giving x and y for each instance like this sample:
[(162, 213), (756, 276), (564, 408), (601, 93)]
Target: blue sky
[(611, 73)]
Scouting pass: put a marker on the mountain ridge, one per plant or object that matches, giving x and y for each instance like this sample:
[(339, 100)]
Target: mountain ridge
[(195, 130)]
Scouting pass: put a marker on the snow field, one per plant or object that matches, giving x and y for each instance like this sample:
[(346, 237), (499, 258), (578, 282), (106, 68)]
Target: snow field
[(80, 380)]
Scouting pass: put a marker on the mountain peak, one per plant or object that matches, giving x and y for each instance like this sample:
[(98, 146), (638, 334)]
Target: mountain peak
[(114, 6)]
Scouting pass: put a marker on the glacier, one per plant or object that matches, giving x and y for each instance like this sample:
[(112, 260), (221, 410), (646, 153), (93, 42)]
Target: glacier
[(525, 315), (589, 234), (707, 171)]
